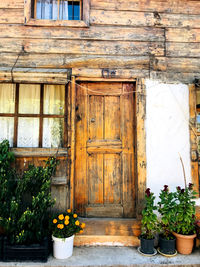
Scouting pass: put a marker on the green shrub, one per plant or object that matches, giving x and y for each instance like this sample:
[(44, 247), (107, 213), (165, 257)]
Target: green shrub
[(26, 214)]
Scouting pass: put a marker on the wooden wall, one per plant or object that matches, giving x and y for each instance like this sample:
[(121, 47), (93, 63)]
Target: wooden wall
[(137, 38)]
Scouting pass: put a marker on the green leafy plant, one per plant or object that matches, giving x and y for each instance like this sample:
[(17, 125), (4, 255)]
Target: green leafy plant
[(26, 202), (66, 224), (166, 208), (8, 180), (149, 219), (185, 210)]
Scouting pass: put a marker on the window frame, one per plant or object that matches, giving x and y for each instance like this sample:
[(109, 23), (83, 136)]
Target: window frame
[(16, 115), (84, 22)]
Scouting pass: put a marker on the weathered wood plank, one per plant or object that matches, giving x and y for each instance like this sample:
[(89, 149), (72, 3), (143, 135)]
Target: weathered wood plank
[(95, 179), (11, 15), (190, 65), (106, 210), (81, 47), (107, 17), (76, 61), (34, 75), (169, 6), (91, 33), (174, 77), (12, 4), (193, 138), (82, 240), (119, 73), (141, 144), (112, 227), (183, 35), (183, 50), (127, 137)]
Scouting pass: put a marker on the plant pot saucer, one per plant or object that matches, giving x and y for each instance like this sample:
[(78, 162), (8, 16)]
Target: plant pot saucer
[(167, 255), (147, 255)]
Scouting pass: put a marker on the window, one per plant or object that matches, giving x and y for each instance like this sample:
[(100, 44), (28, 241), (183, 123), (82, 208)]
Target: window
[(33, 115), (56, 9), (73, 13)]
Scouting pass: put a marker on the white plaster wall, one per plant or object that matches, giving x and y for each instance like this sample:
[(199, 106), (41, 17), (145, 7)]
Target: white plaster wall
[(167, 135)]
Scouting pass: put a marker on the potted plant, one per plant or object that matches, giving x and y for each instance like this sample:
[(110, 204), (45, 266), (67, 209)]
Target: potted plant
[(166, 208), (184, 224), (64, 227), (26, 215), (149, 224)]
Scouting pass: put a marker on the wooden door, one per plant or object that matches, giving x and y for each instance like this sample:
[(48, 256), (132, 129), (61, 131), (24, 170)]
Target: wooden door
[(104, 165)]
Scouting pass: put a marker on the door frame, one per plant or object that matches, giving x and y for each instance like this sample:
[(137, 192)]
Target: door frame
[(140, 149)]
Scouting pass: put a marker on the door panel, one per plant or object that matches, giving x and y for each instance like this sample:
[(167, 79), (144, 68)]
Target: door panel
[(104, 166)]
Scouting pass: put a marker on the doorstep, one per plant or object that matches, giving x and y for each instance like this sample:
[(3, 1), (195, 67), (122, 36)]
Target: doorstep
[(113, 256)]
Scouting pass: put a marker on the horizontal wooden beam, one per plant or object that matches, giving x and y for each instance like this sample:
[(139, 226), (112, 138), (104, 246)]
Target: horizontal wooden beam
[(169, 6), (143, 19), (183, 35), (29, 75), (184, 64), (12, 4), (182, 49), (174, 77), (11, 15), (80, 47), (63, 61), (92, 33)]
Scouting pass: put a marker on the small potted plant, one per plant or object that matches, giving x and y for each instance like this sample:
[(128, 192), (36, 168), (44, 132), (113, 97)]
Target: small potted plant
[(64, 227), (166, 208), (149, 224), (184, 225)]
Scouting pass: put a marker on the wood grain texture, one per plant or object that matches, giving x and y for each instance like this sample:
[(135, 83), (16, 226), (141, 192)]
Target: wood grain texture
[(81, 47), (193, 138), (169, 6), (144, 19), (141, 144), (91, 33), (11, 15), (18, 4), (103, 148), (183, 50), (183, 35)]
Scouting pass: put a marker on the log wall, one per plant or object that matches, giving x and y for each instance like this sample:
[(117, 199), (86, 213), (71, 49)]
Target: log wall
[(137, 38)]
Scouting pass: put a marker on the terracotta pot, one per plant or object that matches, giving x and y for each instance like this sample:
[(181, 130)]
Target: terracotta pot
[(184, 243)]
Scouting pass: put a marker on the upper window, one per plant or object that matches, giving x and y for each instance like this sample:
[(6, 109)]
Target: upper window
[(73, 13), (33, 115), (56, 9)]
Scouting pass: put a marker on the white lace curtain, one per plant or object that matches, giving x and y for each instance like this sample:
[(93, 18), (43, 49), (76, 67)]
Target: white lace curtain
[(29, 103), (48, 9)]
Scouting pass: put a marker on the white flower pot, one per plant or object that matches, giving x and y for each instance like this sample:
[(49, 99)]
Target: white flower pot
[(63, 247)]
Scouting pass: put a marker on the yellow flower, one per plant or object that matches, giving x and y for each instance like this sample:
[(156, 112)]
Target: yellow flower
[(58, 226), (77, 222), (66, 222), (67, 217), (75, 215), (68, 210), (54, 221), (83, 225), (81, 231), (61, 226), (61, 217)]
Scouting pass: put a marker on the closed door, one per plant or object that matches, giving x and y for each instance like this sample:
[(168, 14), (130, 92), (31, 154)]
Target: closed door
[(104, 166)]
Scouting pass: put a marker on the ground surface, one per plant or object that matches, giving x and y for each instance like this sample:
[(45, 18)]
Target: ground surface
[(113, 256)]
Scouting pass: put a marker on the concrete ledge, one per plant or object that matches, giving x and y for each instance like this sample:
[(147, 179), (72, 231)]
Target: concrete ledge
[(113, 256)]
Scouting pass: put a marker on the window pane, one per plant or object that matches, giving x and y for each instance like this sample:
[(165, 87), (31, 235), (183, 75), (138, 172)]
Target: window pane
[(7, 98), (28, 132), (29, 99), (76, 10), (47, 9), (53, 132), (63, 12), (7, 129), (54, 97)]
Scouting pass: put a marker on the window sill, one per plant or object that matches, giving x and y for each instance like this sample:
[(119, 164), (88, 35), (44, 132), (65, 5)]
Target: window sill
[(39, 152), (53, 23)]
